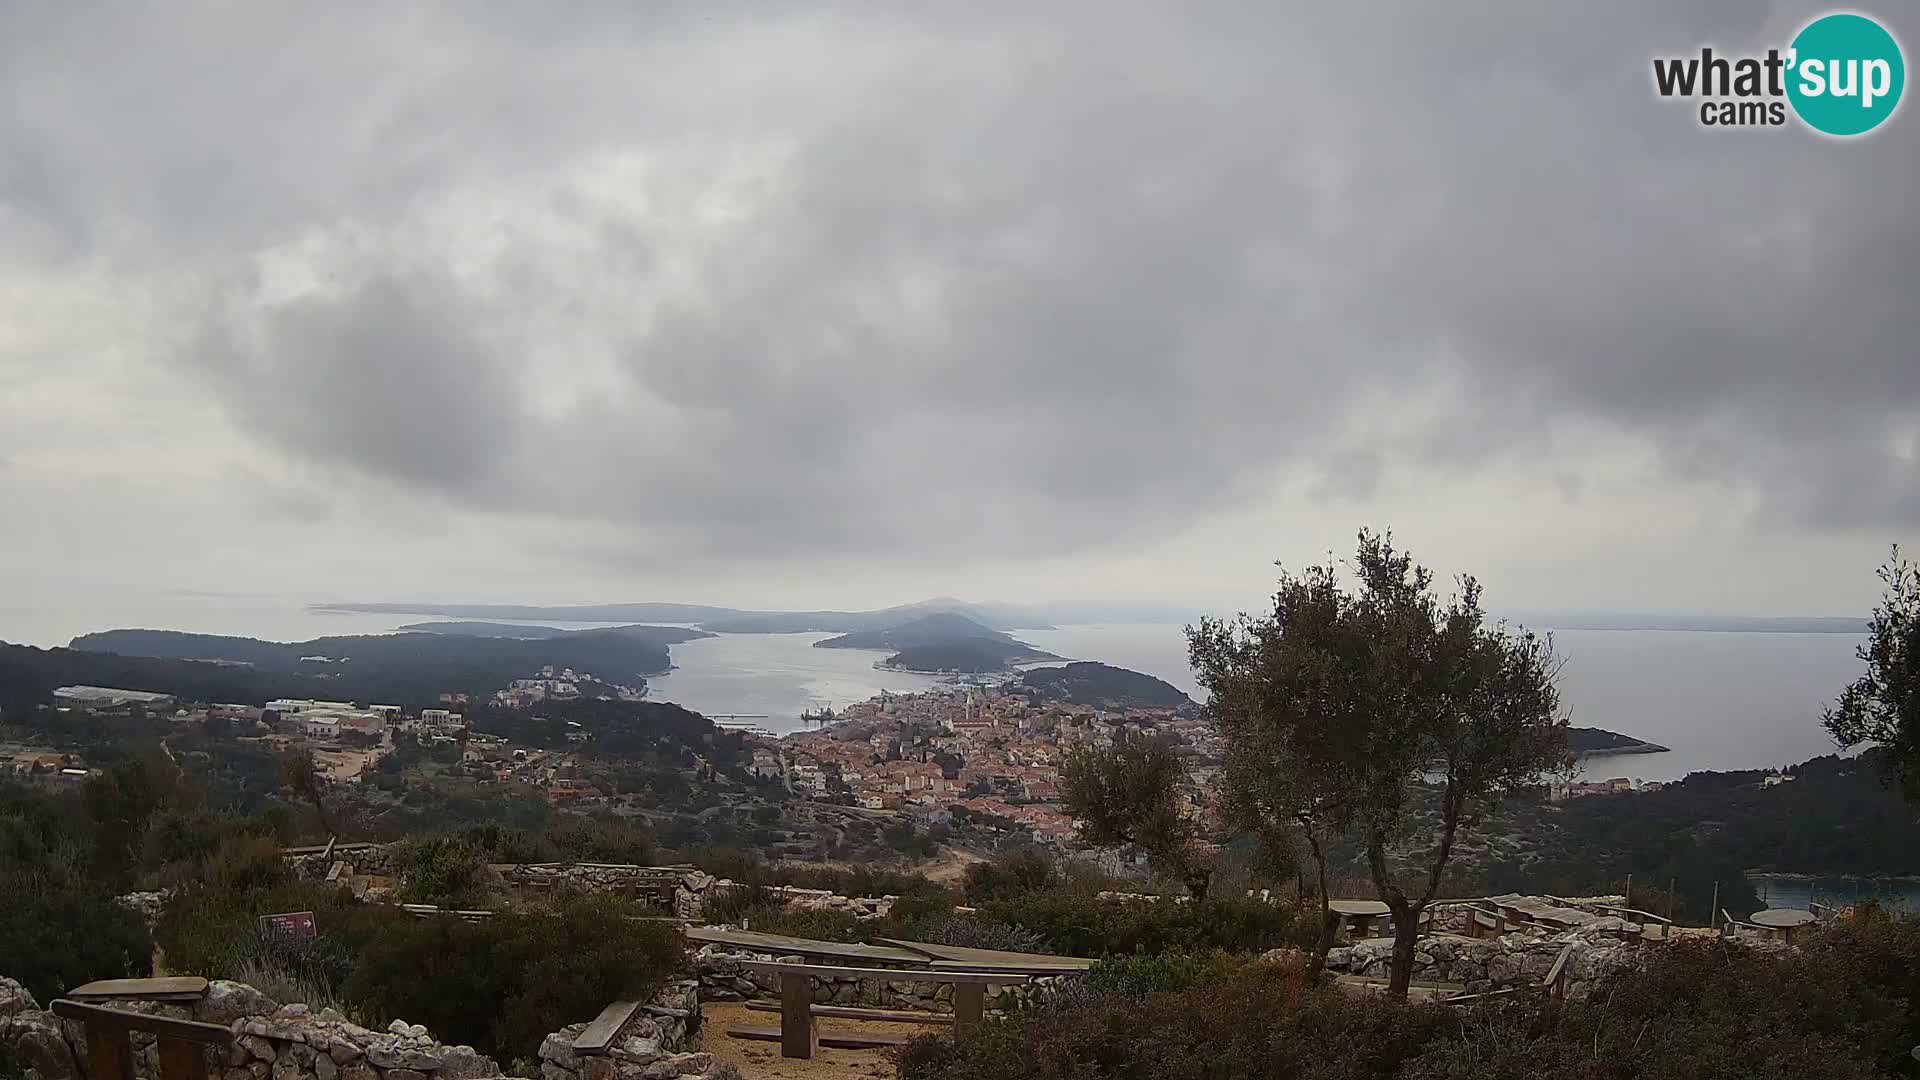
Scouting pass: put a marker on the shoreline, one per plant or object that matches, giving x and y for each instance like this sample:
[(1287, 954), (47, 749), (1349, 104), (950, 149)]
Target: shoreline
[(1618, 751), (1788, 875)]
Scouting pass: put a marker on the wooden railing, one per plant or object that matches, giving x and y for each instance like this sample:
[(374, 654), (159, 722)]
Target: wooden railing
[(181, 1043)]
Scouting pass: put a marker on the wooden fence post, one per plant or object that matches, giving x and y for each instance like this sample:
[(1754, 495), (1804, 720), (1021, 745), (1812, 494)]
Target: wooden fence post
[(796, 1015)]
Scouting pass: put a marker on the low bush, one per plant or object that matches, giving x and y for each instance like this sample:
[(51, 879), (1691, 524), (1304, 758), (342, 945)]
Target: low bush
[(1838, 1007), (1077, 924), (443, 870), (502, 984), (213, 931), (1009, 876), (1161, 973)]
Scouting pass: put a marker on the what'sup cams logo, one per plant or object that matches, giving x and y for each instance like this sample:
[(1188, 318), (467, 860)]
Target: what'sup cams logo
[(1842, 75)]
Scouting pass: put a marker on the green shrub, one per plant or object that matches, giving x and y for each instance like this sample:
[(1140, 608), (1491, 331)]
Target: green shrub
[(502, 984), (1076, 924), (55, 935), (215, 932), (1262, 1022), (776, 918), (1010, 876), (444, 870), (968, 932), (1143, 974), (59, 924)]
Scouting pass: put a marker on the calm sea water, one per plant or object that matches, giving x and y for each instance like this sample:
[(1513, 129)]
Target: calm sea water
[(1718, 700)]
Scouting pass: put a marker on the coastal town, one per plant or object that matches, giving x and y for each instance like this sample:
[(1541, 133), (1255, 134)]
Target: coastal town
[(971, 753)]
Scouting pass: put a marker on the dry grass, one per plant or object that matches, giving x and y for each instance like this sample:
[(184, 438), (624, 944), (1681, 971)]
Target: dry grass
[(762, 1060)]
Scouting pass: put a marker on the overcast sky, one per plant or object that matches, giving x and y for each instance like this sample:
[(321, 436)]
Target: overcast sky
[(846, 305)]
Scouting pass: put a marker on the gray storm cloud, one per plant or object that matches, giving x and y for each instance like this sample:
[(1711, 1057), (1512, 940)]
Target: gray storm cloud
[(1016, 281)]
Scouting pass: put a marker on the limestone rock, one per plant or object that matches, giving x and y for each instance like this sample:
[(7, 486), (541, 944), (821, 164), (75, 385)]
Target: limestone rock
[(359, 1070), (286, 1068), (405, 1074), (41, 1047), (465, 1063), (634, 1049), (324, 1068), (343, 1052), (261, 1048), (15, 998), (558, 1047)]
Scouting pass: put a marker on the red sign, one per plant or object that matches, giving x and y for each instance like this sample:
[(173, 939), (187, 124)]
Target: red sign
[(297, 925)]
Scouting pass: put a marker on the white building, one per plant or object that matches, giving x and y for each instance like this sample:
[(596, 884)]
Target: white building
[(295, 706), (107, 697)]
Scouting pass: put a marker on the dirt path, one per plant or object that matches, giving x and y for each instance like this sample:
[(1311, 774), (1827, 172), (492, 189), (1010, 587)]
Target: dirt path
[(950, 866), (762, 1060)]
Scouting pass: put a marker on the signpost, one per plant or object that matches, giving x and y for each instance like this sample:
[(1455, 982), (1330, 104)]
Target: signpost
[(293, 925)]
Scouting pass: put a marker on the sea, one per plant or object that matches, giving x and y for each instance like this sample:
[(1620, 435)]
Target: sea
[(1717, 700)]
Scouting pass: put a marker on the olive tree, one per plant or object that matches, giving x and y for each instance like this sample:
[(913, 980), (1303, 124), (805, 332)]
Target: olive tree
[(1882, 707), (1133, 794), (1288, 771), (1387, 713)]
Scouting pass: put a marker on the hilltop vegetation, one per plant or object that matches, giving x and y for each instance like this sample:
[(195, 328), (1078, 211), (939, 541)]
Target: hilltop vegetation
[(406, 669), (1103, 686)]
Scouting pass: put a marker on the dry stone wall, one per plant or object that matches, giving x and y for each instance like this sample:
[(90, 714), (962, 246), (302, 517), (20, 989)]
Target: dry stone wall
[(723, 976), (1494, 963), (691, 889), (293, 1042)]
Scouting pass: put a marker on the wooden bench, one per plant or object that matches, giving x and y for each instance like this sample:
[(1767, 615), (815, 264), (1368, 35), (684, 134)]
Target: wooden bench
[(798, 1034), (851, 1012), (605, 1028), (181, 1043)]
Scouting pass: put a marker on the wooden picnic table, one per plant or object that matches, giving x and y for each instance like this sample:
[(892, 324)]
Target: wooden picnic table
[(1358, 915), (798, 1034)]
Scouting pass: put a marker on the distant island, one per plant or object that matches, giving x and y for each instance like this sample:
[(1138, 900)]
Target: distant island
[(1720, 624), (723, 620), (404, 668), (1103, 686), (1598, 742), (942, 643)]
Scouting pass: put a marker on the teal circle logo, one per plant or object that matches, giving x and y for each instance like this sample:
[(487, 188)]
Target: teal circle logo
[(1845, 74)]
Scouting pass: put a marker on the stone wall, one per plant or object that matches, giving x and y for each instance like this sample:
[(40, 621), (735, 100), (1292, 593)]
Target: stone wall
[(281, 1042), (690, 888), (723, 976), (293, 1042), (1493, 963)]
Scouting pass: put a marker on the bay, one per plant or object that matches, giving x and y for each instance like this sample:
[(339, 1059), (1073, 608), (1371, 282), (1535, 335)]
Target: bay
[(1719, 700)]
